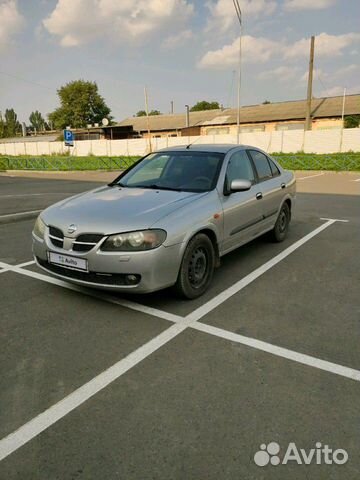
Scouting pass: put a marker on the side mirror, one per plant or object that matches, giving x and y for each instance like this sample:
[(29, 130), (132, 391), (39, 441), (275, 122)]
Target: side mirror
[(240, 185)]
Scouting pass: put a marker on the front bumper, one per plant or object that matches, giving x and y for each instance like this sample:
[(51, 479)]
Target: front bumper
[(155, 269)]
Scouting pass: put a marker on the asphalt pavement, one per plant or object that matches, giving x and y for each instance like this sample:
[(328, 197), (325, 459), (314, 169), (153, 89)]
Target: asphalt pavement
[(150, 387)]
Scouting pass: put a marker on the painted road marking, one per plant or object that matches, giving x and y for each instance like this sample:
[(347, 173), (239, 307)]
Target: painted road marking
[(6, 267), (34, 427), (93, 293), (335, 219), (279, 351), (229, 292), (311, 176), (43, 421), (34, 194), (19, 214)]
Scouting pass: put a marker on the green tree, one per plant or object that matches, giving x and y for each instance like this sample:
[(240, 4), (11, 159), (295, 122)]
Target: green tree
[(142, 113), (352, 121), (80, 104), (204, 105), (2, 127), (38, 122), (12, 125), (266, 102)]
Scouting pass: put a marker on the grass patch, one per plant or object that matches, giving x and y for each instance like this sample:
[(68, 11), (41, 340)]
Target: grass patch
[(65, 163), (291, 161), (315, 161)]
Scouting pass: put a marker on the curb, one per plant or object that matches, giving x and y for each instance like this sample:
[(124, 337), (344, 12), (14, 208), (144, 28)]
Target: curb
[(18, 217)]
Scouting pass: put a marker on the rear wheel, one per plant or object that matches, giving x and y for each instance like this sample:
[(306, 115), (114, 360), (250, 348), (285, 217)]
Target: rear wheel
[(197, 267), (279, 232)]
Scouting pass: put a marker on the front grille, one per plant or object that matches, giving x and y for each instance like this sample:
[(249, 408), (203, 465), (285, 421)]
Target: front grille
[(92, 277), (86, 241), (89, 238), (83, 243), (56, 236)]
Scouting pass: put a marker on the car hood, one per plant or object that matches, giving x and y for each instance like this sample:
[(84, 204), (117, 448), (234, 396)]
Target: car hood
[(113, 209)]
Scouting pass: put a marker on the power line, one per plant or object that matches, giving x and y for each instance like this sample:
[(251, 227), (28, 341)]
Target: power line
[(26, 81)]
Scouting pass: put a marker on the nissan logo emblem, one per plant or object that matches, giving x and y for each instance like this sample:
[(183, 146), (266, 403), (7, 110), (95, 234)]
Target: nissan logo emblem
[(72, 228)]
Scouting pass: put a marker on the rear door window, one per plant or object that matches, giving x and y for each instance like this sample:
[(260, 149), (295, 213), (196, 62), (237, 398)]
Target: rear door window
[(274, 169), (261, 164)]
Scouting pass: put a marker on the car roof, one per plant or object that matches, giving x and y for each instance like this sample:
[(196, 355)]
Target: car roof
[(208, 147)]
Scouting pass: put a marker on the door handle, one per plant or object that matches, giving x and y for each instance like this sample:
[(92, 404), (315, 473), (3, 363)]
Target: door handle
[(259, 196), (283, 185)]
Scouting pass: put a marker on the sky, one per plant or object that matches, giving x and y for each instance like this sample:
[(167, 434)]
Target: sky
[(181, 50)]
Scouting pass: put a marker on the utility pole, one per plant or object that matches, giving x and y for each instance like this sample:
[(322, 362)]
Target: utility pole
[(172, 107), (239, 15), (187, 116), (309, 87), (343, 108), (147, 116)]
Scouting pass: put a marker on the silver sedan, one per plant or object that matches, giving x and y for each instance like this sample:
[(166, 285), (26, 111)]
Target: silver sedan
[(167, 220)]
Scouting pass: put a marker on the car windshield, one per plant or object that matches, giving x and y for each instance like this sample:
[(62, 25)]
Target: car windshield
[(178, 171)]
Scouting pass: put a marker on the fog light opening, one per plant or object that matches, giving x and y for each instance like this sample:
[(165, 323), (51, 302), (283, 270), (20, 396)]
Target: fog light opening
[(132, 279)]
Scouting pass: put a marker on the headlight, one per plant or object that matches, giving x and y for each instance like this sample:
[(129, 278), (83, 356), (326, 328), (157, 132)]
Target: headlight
[(39, 228), (134, 241)]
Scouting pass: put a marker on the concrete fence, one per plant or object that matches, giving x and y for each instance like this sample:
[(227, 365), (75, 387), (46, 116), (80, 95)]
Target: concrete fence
[(317, 141)]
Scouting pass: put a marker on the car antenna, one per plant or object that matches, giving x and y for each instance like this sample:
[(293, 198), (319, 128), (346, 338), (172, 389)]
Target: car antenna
[(192, 143)]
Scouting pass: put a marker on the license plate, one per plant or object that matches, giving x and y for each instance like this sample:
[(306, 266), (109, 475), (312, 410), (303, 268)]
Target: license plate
[(68, 261)]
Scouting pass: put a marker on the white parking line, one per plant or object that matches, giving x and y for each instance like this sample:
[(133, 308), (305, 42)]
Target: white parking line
[(280, 351), (93, 293), (19, 214), (311, 176), (34, 427), (229, 292), (357, 180), (43, 421), (6, 267), (33, 194)]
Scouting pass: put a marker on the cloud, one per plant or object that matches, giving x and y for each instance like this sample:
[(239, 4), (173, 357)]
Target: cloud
[(254, 50), (282, 73), (308, 4), (223, 15), (78, 22), (325, 45), (338, 90), (11, 21), (178, 40), (318, 74)]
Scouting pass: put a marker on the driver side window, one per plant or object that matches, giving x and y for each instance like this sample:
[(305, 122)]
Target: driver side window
[(239, 167)]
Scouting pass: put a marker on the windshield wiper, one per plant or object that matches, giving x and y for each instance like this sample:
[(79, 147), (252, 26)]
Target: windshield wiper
[(160, 187), (116, 184)]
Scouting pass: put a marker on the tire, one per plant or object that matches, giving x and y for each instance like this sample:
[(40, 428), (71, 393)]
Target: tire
[(197, 267), (280, 231)]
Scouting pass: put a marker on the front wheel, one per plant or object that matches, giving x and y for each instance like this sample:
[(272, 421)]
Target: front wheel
[(280, 231), (197, 267)]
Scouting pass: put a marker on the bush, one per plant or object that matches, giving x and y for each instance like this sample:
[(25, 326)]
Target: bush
[(313, 161), (66, 163), (3, 164)]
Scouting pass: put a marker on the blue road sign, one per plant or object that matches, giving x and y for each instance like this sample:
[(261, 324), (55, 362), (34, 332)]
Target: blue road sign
[(68, 138)]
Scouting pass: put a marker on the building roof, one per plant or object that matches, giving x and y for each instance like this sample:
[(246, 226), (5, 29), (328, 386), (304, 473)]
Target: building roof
[(31, 138), (168, 122), (292, 110)]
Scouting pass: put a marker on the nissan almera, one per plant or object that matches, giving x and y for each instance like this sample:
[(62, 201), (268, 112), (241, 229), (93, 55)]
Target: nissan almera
[(167, 220)]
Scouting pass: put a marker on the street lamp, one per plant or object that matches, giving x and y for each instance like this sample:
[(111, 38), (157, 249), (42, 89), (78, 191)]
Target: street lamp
[(239, 15)]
